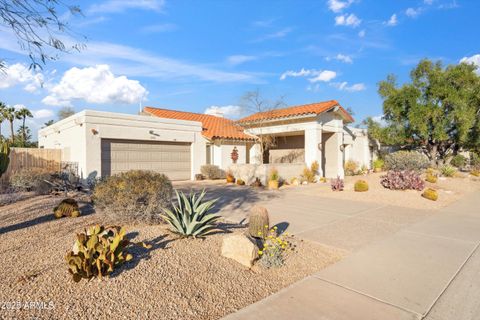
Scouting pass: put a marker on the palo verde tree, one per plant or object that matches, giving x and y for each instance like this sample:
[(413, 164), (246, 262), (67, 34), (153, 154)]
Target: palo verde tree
[(39, 28), (437, 112)]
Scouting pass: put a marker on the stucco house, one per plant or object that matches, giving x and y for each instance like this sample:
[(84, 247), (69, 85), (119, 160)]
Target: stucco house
[(178, 143)]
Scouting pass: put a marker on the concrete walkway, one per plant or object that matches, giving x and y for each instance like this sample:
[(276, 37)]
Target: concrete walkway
[(405, 264)]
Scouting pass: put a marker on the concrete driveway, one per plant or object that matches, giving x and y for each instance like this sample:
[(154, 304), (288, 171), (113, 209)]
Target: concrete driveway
[(404, 263)]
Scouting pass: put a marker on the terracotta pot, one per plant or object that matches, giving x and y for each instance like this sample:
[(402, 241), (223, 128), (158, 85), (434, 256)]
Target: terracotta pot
[(273, 184)]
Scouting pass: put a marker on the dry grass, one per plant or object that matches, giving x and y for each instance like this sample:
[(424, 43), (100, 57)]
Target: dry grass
[(176, 279), (449, 190)]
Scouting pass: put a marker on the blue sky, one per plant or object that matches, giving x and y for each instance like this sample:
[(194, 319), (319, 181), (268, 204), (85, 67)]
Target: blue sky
[(192, 55)]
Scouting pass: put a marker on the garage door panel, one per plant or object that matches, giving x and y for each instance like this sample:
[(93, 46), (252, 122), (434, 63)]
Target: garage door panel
[(172, 159)]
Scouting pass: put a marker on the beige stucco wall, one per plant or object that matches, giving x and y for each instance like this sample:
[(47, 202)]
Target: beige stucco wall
[(81, 134), (221, 153), (357, 147)]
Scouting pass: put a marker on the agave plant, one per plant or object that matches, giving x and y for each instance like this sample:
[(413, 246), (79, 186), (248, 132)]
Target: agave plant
[(190, 215)]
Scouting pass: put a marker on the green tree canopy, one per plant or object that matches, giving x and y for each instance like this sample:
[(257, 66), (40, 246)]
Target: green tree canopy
[(437, 112)]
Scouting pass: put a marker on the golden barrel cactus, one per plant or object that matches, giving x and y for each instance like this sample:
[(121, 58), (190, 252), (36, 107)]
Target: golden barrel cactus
[(361, 186), (430, 194)]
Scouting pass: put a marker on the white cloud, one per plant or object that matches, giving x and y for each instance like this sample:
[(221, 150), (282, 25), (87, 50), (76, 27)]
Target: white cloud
[(347, 20), (412, 13), (230, 111), (343, 86), (95, 85), (314, 75), (324, 76), (239, 59), (43, 113), (17, 74), (115, 6), (338, 5), (475, 59), (428, 2), (393, 21), (275, 35), (362, 33), (341, 57)]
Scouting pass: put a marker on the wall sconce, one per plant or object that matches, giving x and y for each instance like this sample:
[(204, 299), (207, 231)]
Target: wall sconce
[(342, 147), (320, 146), (94, 131)]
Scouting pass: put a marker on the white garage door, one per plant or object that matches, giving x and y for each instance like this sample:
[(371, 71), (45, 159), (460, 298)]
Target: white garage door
[(170, 158)]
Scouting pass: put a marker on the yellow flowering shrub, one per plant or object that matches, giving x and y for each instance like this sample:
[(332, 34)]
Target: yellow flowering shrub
[(274, 247)]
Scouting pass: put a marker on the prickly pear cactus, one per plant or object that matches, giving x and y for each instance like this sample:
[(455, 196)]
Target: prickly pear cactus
[(67, 208), (4, 157), (98, 251), (258, 222)]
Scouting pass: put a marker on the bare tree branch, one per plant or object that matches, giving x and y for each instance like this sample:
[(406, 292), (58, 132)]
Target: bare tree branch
[(39, 28)]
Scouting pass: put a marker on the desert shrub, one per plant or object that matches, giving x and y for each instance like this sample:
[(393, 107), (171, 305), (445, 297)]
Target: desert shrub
[(191, 216), (32, 180), (475, 172), (274, 248), (448, 171), (67, 208), (134, 195), (475, 160), (351, 168), (273, 175), (98, 251), (406, 160), (430, 194), (458, 161), (310, 173), (378, 164), (258, 220), (402, 180), (431, 177), (337, 184), (361, 186), (212, 172)]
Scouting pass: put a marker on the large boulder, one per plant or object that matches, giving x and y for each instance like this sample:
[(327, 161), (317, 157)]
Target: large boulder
[(240, 248)]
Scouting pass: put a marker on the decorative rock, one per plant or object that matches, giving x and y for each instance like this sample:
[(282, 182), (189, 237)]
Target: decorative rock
[(240, 248)]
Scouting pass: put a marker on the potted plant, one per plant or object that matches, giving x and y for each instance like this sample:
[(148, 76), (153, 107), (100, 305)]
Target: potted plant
[(230, 177), (273, 179)]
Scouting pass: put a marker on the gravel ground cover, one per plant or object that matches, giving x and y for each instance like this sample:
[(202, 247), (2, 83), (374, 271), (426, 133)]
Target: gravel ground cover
[(176, 279), (449, 190)]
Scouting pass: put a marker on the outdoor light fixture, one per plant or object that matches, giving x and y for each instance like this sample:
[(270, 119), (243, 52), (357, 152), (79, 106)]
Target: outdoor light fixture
[(320, 146), (342, 147), (94, 131)]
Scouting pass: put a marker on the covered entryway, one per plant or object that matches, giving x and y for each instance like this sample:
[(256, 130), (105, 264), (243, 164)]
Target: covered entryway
[(171, 158)]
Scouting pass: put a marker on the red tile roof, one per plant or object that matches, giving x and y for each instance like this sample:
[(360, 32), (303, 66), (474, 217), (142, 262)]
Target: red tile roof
[(307, 109), (213, 127)]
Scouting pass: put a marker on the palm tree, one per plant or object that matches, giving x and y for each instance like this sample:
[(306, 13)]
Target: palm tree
[(11, 115), (3, 106), (23, 113)]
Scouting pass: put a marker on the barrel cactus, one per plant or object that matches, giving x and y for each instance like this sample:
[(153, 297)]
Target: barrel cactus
[(67, 208), (98, 251), (431, 177), (361, 186), (4, 157), (258, 222), (430, 194)]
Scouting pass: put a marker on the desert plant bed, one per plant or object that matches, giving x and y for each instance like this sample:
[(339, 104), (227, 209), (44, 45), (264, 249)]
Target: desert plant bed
[(178, 278), (449, 190)]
